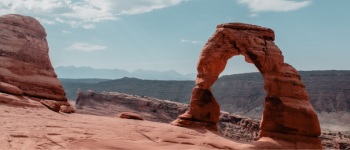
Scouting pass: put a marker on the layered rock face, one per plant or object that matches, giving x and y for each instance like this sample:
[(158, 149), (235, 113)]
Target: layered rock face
[(24, 58), (113, 104), (287, 107)]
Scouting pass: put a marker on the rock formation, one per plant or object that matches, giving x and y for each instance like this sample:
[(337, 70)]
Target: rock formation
[(110, 104), (130, 115), (235, 127), (288, 113), (25, 67), (113, 103)]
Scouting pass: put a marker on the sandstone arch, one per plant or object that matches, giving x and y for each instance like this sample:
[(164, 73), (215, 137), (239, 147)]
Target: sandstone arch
[(287, 107)]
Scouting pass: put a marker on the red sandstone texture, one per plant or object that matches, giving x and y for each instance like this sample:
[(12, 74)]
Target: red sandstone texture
[(26, 72), (288, 113), (24, 58), (44, 129), (10, 89)]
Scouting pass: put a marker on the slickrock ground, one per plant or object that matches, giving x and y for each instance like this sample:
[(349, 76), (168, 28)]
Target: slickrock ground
[(235, 127), (37, 127), (40, 128)]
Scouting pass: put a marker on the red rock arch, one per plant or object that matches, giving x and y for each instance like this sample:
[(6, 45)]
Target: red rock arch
[(287, 107)]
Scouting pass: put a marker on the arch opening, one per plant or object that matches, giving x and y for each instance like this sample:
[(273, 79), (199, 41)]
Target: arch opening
[(238, 65), (239, 90)]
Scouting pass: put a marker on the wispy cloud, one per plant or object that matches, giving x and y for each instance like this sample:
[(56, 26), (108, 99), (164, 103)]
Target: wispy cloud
[(190, 41), (82, 13), (257, 6), (45, 21), (66, 32), (184, 41), (89, 26), (86, 47), (253, 15)]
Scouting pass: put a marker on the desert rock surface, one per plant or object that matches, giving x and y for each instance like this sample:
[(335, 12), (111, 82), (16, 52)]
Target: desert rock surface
[(235, 127), (40, 128), (35, 127)]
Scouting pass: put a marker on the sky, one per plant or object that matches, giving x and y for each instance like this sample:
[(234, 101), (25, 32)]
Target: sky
[(169, 34)]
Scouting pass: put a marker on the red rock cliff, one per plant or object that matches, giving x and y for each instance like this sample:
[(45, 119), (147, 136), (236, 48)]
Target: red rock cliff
[(24, 59)]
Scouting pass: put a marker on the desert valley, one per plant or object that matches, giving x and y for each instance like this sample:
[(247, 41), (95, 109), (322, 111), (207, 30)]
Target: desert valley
[(275, 108)]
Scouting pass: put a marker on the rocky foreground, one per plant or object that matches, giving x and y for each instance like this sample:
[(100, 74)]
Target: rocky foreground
[(235, 127), (36, 127), (40, 128)]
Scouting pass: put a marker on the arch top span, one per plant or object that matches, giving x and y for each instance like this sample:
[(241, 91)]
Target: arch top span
[(265, 33), (255, 43), (287, 107)]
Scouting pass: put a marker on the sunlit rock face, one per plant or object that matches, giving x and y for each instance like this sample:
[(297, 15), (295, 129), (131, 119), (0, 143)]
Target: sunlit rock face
[(24, 60), (287, 107)]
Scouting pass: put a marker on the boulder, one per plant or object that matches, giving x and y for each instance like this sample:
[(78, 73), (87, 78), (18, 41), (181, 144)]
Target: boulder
[(58, 106), (10, 89), (67, 109), (24, 59), (130, 115), (52, 105)]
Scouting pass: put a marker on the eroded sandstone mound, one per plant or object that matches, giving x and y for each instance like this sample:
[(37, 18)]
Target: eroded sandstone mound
[(113, 104), (25, 66), (288, 113)]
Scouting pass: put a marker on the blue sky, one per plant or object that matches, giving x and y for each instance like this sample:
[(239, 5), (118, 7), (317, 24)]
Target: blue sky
[(169, 34)]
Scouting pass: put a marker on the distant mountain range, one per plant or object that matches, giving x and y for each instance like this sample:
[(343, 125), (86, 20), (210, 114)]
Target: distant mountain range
[(88, 72), (329, 91)]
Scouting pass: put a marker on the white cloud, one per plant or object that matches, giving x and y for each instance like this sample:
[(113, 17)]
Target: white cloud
[(59, 20), (190, 41), (196, 42), (66, 32), (253, 15), (89, 26), (82, 13), (256, 6), (86, 47), (143, 6), (184, 41), (45, 21)]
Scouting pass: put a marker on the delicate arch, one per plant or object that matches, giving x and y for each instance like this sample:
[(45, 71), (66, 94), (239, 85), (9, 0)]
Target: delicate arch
[(287, 107)]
